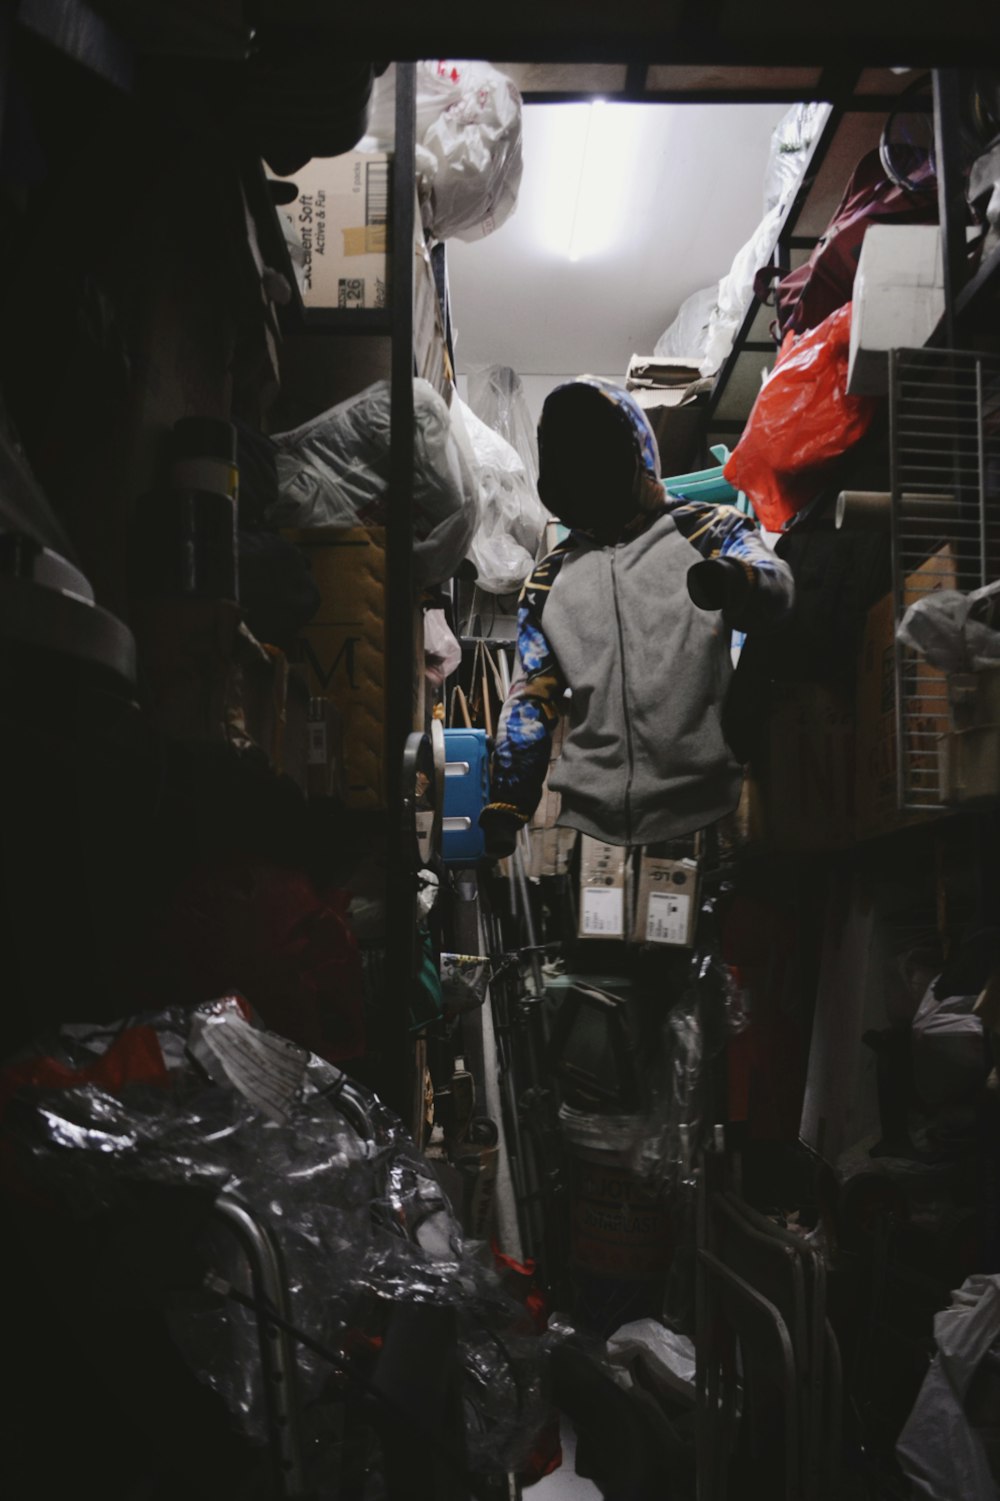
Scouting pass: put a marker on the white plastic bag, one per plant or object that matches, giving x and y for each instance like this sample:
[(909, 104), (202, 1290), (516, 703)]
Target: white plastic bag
[(736, 289), (949, 1049), (334, 471), (943, 628), (496, 395), (468, 144), (938, 1449), (512, 518), (791, 147), (687, 336), (668, 1359), (442, 652)]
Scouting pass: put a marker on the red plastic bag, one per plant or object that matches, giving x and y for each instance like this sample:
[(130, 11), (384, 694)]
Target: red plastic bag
[(801, 422)]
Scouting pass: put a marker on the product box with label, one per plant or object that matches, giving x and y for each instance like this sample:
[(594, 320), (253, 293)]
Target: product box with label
[(667, 906), (342, 215), (602, 889), (897, 302), (343, 647)]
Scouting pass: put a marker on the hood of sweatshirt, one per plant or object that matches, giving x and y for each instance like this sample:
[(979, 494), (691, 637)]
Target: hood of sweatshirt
[(599, 466)]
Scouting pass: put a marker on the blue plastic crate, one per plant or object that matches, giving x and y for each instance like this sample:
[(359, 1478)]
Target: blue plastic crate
[(466, 791)]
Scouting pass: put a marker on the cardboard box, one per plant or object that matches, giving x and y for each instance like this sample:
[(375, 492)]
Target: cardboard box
[(342, 215), (667, 906), (343, 648), (897, 302), (602, 889), (877, 795)]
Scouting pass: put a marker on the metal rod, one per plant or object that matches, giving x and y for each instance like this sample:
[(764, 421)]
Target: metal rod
[(983, 579), (401, 952)]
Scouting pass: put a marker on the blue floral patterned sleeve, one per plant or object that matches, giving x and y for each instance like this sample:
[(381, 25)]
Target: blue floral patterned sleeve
[(529, 716)]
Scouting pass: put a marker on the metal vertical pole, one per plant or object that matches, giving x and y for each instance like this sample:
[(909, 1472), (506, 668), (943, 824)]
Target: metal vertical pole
[(951, 193), (401, 938)]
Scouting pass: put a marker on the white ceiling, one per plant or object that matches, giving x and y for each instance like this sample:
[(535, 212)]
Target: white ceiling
[(680, 191)]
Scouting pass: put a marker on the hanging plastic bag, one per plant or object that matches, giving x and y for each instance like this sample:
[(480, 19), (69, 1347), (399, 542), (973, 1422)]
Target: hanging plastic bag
[(334, 471), (802, 420), (512, 518), (468, 144), (496, 395)]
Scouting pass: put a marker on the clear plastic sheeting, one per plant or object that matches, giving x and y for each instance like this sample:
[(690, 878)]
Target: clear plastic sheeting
[(694, 1031), (468, 144), (736, 290), (496, 395), (334, 471), (206, 1100), (512, 518), (939, 1450), (792, 141), (666, 1359), (687, 336), (952, 630)]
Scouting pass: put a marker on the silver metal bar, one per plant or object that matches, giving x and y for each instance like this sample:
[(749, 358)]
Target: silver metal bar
[(983, 579), (277, 1350)]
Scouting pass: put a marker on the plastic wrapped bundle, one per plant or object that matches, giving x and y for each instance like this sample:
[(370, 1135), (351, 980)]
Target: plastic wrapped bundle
[(496, 395), (468, 145), (334, 471), (512, 518), (791, 147), (687, 336), (208, 1102)]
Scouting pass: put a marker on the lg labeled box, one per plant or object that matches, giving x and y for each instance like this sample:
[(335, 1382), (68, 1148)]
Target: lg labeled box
[(342, 216)]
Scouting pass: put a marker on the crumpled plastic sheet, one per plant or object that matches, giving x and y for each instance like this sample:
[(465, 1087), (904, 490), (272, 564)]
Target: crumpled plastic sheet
[(667, 1358), (496, 395), (468, 158), (938, 1449), (687, 336), (361, 1220), (334, 471), (694, 1031), (791, 146), (942, 627), (511, 517)]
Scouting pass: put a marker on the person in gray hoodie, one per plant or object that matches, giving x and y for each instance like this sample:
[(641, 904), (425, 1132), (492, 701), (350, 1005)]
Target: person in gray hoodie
[(626, 625)]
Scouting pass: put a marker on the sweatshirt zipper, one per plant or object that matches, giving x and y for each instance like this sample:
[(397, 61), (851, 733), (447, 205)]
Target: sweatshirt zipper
[(625, 713)]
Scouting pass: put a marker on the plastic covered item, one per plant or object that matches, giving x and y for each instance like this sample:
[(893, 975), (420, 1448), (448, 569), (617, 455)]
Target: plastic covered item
[(949, 1049), (206, 1100), (802, 421), (511, 517), (694, 1029), (687, 336), (791, 147), (334, 471), (736, 289), (442, 653), (666, 1358), (496, 395), (464, 982), (468, 144), (944, 628), (939, 1450)]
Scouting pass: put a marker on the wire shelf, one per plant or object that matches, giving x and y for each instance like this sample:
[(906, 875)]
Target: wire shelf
[(945, 428)]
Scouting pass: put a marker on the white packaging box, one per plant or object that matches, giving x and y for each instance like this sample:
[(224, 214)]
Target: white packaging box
[(341, 214), (898, 300)]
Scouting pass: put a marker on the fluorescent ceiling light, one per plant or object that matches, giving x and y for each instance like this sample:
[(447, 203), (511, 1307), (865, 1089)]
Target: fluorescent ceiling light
[(592, 163)]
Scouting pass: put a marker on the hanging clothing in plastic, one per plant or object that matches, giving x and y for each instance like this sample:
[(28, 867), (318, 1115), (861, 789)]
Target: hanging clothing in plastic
[(631, 613)]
